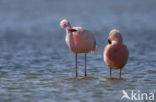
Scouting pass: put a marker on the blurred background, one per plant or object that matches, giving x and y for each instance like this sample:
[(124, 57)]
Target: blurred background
[(37, 66)]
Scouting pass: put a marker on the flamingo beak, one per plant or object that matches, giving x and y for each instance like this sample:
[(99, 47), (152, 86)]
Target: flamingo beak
[(73, 30), (109, 41), (70, 29)]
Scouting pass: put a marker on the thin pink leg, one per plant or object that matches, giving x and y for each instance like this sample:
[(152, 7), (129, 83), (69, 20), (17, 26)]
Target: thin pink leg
[(85, 64), (76, 64)]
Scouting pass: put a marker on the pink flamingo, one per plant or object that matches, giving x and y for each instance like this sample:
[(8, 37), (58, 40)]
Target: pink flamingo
[(115, 53), (79, 40)]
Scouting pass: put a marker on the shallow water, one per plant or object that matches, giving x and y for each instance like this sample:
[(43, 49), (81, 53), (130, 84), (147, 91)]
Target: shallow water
[(37, 66)]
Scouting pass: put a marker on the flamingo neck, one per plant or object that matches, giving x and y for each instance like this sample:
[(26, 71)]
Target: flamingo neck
[(69, 36), (116, 44)]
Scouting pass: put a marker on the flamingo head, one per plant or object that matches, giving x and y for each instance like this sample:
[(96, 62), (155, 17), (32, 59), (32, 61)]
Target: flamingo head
[(114, 35), (65, 24)]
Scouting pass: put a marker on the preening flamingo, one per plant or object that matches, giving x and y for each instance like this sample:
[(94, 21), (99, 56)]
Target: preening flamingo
[(79, 40), (115, 53)]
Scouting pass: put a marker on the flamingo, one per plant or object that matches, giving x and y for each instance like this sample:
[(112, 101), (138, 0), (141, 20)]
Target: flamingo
[(79, 40), (115, 53)]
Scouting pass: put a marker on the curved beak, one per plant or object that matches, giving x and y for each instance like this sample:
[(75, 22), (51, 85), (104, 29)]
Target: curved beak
[(70, 29), (73, 30), (109, 41)]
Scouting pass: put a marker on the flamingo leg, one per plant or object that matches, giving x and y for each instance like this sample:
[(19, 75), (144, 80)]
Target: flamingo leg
[(110, 72), (76, 65), (85, 64), (120, 73)]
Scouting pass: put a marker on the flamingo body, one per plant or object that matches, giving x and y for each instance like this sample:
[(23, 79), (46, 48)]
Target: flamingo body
[(115, 53), (117, 58), (83, 40)]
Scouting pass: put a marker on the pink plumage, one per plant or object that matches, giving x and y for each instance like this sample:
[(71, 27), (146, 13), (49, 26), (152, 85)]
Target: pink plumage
[(116, 52), (79, 40)]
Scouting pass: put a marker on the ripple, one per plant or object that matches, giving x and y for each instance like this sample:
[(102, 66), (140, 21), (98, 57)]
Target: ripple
[(37, 66)]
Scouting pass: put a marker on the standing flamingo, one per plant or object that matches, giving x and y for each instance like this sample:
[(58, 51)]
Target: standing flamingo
[(79, 40), (115, 53)]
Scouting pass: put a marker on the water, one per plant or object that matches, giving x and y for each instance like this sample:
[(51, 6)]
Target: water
[(37, 66)]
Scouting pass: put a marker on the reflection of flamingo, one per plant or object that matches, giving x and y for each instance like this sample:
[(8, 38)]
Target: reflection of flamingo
[(115, 53), (79, 40), (125, 95)]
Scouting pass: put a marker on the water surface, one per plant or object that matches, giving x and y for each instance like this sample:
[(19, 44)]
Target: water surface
[(37, 66)]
